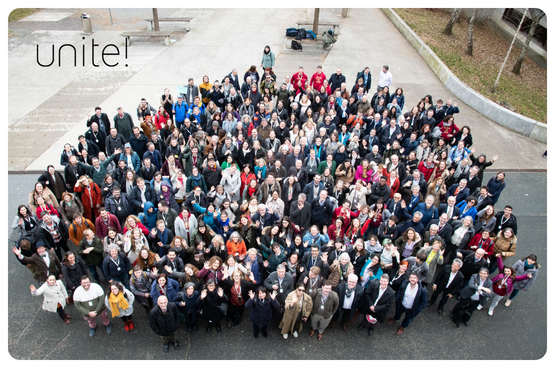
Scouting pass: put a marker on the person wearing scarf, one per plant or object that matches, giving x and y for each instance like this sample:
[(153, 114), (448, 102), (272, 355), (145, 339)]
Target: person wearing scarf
[(120, 302)]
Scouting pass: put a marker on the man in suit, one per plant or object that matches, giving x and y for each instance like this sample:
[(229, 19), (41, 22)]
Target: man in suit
[(473, 296), (393, 205), (190, 92), (379, 297), (322, 210), (431, 235), (415, 223), (171, 265), (472, 179), (472, 262), (350, 295), (299, 213), (417, 178), (411, 299), (282, 282), (483, 200), (314, 258), (366, 78), (444, 230), (234, 79), (299, 172), (448, 281), (326, 303), (453, 212), (46, 262), (101, 119), (459, 191)]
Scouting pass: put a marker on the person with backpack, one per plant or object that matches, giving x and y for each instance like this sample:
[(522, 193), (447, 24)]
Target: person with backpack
[(78, 226)]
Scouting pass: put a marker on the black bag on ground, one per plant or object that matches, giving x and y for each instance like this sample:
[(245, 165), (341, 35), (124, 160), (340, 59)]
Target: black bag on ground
[(296, 45)]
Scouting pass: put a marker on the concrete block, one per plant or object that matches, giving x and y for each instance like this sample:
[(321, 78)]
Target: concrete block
[(539, 132)]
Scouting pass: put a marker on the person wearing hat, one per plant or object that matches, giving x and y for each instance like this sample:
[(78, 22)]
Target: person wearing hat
[(45, 261), (130, 157), (186, 302)]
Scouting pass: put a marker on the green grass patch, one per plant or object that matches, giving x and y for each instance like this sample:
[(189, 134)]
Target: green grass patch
[(20, 13), (527, 93)]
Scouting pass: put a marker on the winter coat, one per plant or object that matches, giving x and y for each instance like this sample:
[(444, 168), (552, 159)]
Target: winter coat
[(52, 296), (520, 270), (67, 211), (72, 273), (122, 312), (88, 195), (292, 311), (164, 324), (261, 312), (94, 258), (172, 288)]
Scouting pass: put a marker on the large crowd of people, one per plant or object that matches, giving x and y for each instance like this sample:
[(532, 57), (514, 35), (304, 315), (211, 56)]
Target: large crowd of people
[(302, 200)]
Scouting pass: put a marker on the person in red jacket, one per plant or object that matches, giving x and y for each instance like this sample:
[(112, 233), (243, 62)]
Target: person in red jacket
[(105, 221), (481, 240), (236, 246), (426, 167), (91, 197)]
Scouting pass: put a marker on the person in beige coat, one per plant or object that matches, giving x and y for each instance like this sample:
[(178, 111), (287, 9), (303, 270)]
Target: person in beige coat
[(437, 189), (55, 296), (41, 191), (298, 306)]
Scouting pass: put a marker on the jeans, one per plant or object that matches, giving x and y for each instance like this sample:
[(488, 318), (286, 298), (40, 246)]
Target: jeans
[(94, 274), (513, 294), (123, 279), (408, 315)]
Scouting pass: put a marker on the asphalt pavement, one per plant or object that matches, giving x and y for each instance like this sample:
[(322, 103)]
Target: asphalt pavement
[(517, 332)]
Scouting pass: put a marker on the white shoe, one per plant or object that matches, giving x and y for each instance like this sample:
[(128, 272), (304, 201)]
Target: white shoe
[(508, 302), (490, 312), (295, 334), (479, 307), (285, 336)]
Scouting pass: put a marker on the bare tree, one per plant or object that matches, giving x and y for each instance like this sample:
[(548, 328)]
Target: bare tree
[(536, 15), (470, 42), (155, 19), (449, 27), (509, 52)]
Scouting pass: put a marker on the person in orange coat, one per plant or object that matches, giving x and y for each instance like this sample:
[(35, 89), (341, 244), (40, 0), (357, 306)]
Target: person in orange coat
[(90, 197), (236, 246)]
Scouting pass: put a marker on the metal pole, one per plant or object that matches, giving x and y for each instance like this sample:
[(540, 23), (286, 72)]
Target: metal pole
[(110, 11)]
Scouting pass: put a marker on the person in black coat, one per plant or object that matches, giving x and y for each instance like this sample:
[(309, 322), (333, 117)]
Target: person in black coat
[(377, 306), (210, 302), (237, 290), (72, 173), (300, 212), (287, 199), (445, 230), (97, 136), (411, 311), (164, 321), (299, 171), (321, 213), (472, 262), (73, 268), (186, 301), (447, 284), (101, 119), (149, 193), (345, 291), (261, 313), (380, 190)]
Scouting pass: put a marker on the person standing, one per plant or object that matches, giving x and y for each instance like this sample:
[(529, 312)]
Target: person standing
[(261, 312), (298, 306), (350, 295), (411, 298), (268, 58), (46, 262), (449, 280), (503, 282), (475, 294), (326, 303), (120, 302), (89, 301), (528, 265), (379, 297), (164, 321), (55, 296)]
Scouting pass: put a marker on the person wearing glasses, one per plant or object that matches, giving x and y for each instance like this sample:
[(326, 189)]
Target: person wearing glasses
[(298, 306)]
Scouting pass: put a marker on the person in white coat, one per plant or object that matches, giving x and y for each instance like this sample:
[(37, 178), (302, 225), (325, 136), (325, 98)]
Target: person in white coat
[(120, 302), (231, 181), (55, 296)]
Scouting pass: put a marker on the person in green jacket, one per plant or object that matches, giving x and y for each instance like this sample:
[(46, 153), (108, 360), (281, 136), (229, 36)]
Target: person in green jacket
[(90, 249), (98, 170), (268, 58)]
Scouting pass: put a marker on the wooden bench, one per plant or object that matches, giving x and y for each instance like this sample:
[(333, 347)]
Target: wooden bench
[(187, 22), (165, 34), (321, 26)]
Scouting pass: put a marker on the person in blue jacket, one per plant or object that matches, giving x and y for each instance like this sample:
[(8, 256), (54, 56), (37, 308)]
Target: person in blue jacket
[(428, 210), (496, 185), (129, 155), (164, 286), (261, 312), (468, 207), (179, 110)]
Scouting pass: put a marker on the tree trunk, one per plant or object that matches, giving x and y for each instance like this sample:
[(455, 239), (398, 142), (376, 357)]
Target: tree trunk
[(509, 52), (448, 31), (535, 21), (470, 43), (155, 19), (316, 20)]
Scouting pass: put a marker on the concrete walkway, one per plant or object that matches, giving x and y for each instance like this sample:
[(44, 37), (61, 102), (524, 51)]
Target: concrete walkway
[(49, 106)]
